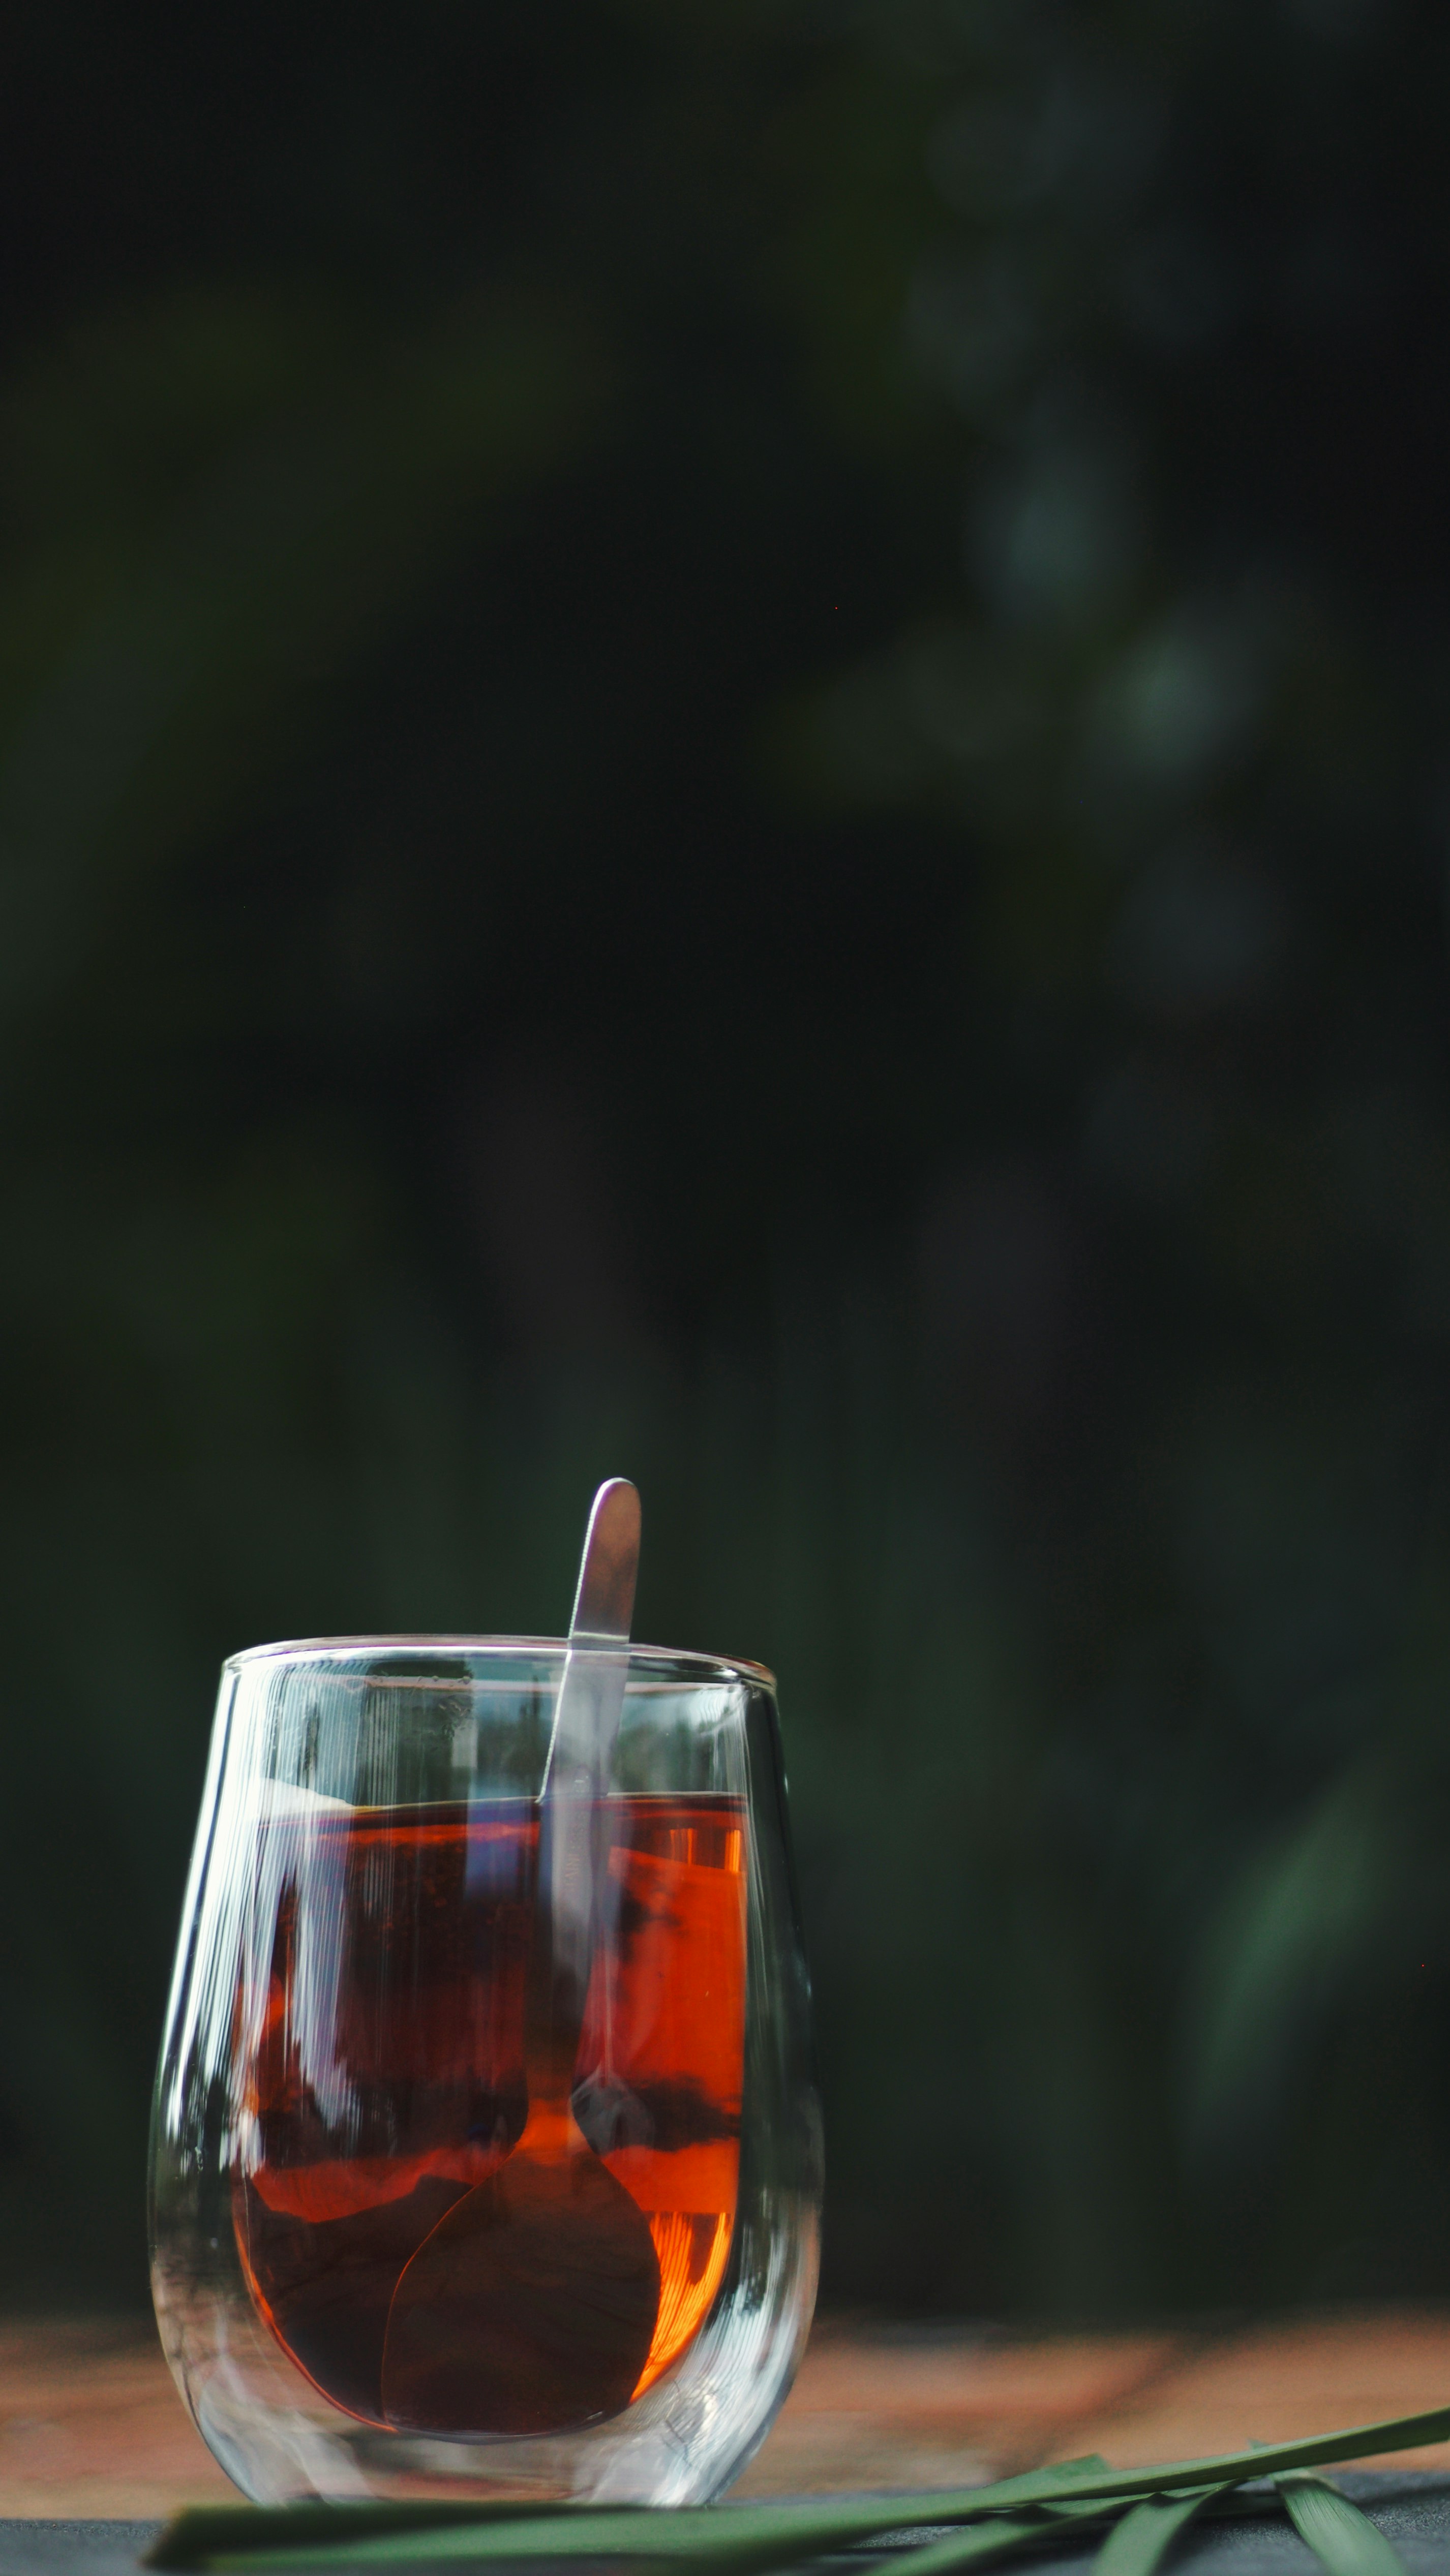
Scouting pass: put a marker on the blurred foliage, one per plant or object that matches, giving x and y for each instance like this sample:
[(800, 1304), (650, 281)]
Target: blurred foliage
[(722, 756)]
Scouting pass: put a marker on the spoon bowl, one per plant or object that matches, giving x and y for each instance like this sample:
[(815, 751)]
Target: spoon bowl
[(531, 2308)]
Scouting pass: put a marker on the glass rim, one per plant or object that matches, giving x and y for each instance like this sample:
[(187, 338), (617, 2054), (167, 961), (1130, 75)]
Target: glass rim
[(714, 1668)]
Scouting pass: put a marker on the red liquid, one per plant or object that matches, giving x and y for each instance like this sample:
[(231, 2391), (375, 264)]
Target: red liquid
[(383, 2063)]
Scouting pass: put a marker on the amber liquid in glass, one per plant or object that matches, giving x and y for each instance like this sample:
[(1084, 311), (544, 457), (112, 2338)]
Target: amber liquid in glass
[(384, 2060)]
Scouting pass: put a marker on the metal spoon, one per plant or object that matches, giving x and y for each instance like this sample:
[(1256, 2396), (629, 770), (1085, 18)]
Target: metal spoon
[(532, 2304)]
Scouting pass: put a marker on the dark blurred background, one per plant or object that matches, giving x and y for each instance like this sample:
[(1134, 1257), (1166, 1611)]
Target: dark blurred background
[(725, 754)]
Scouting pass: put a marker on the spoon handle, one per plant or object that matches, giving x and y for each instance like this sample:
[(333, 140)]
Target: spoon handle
[(604, 1601), (573, 1831)]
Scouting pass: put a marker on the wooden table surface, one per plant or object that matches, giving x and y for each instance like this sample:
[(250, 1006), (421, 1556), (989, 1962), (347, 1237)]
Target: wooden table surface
[(90, 2423)]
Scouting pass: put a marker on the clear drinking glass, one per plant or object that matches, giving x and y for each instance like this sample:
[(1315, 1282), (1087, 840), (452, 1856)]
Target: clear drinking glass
[(344, 2061)]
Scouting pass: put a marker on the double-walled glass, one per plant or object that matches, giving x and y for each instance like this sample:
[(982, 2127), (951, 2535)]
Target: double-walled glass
[(344, 2063)]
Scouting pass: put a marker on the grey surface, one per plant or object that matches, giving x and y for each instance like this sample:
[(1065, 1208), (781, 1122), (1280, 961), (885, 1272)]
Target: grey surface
[(98, 2548), (1412, 2511)]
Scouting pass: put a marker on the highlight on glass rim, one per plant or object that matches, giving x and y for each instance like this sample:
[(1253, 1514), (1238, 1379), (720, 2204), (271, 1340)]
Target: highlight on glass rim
[(723, 779)]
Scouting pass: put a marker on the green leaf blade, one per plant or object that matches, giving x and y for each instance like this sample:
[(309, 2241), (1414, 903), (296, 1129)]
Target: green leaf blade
[(995, 2536), (1343, 2539), (1142, 2539), (728, 2537)]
